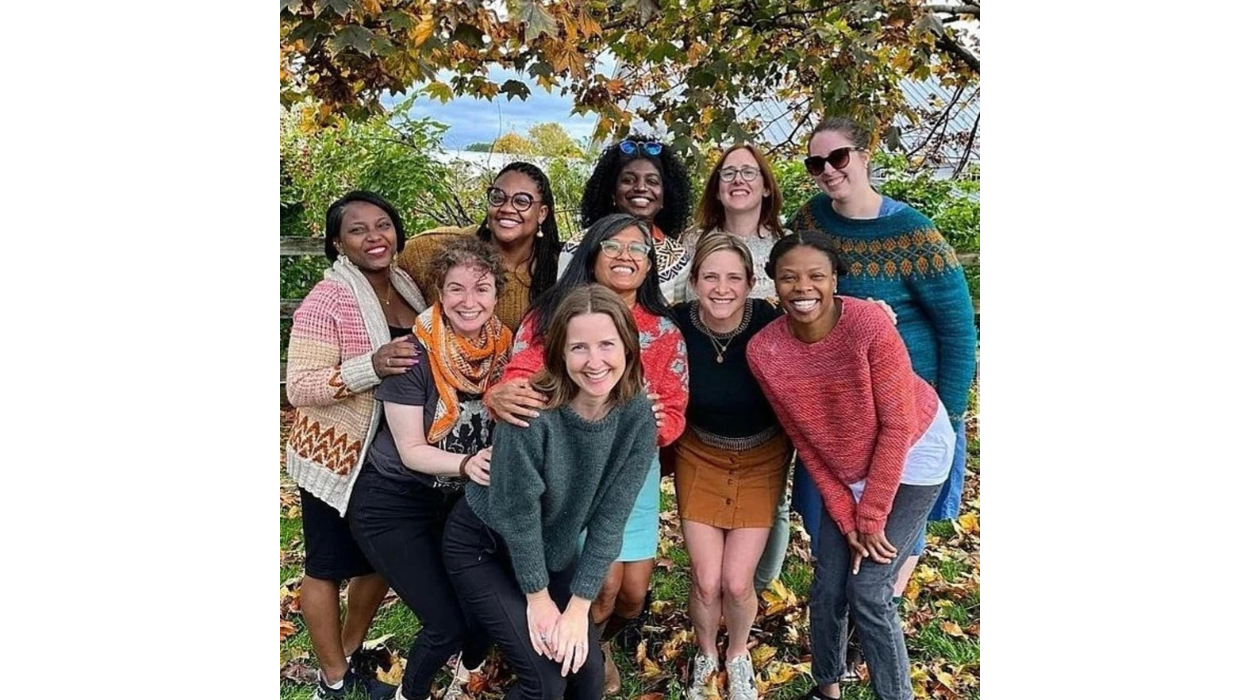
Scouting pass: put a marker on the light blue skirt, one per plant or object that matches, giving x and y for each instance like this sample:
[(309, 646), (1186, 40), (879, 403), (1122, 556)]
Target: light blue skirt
[(641, 536)]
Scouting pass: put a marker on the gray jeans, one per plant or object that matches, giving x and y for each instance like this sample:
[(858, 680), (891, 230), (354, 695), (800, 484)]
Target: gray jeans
[(771, 563), (868, 596)]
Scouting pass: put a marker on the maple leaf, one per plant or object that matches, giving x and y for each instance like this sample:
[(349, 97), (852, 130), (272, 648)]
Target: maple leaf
[(969, 522)]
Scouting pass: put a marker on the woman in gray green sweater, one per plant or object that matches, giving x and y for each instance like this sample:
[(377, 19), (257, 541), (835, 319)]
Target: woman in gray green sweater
[(511, 548)]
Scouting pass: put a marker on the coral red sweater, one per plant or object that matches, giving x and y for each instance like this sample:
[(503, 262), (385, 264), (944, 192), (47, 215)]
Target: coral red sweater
[(851, 404), (664, 365)]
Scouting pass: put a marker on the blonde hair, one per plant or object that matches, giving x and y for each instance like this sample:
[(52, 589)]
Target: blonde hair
[(715, 241), (554, 380)]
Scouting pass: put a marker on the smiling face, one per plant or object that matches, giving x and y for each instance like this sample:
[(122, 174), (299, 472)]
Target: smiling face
[(639, 190), (849, 180), (594, 355), (722, 285), (367, 236), (740, 195), (507, 224), (468, 298), (622, 273), (806, 284)]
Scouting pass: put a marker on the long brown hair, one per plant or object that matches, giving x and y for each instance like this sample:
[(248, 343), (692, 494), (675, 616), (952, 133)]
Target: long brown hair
[(553, 379), (713, 214)]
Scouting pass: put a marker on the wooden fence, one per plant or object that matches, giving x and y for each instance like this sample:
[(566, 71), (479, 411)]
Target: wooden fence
[(297, 247)]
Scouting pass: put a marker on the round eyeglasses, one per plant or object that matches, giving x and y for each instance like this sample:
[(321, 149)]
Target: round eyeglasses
[(521, 201), (745, 174), (613, 249)]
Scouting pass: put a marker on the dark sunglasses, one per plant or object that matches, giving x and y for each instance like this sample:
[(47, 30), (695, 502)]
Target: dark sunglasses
[(651, 148), (838, 159), (521, 201)]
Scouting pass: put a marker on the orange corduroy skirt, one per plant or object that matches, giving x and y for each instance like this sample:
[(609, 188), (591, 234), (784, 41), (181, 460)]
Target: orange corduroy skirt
[(730, 489)]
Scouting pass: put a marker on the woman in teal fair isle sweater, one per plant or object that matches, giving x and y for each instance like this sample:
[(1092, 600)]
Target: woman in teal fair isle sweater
[(511, 548), (894, 253)]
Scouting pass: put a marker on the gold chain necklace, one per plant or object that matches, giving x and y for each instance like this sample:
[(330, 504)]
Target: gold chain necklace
[(389, 294), (719, 347)]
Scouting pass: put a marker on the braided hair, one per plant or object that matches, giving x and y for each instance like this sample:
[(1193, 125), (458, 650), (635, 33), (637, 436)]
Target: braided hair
[(545, 255)]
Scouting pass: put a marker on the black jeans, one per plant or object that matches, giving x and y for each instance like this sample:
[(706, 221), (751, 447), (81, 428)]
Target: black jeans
[(399, 527), (481, 570)]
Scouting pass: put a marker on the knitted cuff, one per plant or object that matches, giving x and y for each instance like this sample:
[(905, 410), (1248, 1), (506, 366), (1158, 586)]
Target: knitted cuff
[(358, 375), (868, 525), (586, 586), (530, 582)]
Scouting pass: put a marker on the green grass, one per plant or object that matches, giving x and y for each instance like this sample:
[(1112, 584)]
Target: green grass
[(953, 597)]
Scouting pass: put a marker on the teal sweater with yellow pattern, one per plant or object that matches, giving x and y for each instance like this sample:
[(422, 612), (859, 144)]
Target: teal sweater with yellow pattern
[(902, 259)]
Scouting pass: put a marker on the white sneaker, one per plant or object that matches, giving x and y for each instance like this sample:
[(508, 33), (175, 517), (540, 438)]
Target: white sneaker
[(739, 678), (701, 671)]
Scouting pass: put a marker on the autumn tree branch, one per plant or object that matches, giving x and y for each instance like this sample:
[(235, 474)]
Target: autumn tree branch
[(955, 9)]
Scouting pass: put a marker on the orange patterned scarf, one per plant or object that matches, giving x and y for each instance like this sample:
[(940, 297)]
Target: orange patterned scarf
[(460, 364)]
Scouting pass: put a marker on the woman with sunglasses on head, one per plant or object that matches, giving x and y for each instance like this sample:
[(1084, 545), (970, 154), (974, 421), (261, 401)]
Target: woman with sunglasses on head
[(512, 548), (643, 177), (616, 252), (348, 336), (520, 224), (892, 252), (876, 439)]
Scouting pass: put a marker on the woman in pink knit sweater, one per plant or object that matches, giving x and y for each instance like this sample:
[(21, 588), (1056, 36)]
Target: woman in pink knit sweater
[(876, 440)]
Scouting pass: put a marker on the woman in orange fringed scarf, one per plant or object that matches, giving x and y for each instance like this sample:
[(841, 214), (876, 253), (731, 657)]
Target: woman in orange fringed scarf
[(435, 438)]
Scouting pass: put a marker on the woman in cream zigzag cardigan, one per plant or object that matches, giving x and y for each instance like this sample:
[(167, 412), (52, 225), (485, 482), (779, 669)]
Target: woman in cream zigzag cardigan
[(339, 350)]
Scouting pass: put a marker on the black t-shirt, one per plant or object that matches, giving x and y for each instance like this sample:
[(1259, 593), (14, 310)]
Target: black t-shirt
[(472, 432), (725, 398), (395, 332)]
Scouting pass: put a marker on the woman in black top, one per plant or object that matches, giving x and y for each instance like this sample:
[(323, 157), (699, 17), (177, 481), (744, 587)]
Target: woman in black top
[(435, 437), (732, 460)]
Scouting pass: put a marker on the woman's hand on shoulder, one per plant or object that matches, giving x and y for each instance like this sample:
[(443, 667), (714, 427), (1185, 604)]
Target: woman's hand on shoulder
[(395, 357), (515, 401), (658, 408), (892, 315)]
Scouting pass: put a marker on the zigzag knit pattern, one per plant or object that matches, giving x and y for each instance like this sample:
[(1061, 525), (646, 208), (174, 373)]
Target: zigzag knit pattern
[(329, 346)]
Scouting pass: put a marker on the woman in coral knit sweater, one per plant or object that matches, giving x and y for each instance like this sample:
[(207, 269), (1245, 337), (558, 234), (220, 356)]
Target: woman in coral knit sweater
[(877, 441)]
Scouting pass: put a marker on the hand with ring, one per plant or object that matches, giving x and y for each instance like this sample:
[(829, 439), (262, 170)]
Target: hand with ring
[(541, 614), (395, 357)]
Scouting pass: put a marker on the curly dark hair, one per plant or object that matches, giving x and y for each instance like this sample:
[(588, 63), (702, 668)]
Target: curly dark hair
[(581, 271), (597, 198), (545, 256), (465, 250)]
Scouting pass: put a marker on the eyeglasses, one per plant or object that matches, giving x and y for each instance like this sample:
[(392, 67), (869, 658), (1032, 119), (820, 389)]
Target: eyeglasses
[(746, 174), (521, 201), (838, 159), (613, 249), (651, 148)]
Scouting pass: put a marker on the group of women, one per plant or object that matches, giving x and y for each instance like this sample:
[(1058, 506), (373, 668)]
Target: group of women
[(491, 447)]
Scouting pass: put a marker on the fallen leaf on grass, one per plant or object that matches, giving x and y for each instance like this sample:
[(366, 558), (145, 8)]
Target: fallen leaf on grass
[(652, 696), (952, 629), (287, 629), (395, 673), (762, 654), (778, 598), (378, 642), (299, 672), (969, 522)]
